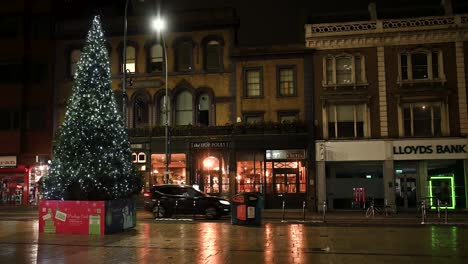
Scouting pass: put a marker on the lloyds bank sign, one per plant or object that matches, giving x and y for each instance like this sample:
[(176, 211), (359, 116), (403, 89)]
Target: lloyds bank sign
[(437, 149)]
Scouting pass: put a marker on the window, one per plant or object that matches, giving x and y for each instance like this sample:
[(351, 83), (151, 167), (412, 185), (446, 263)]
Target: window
[(253, 82), (130, 60), (342, 70), (35, 119), (346, 121), (183, 111), (213, 59), (421, 65), (252, 118), (156, 63), (249, 172), (140, 112), (422, 119), (10, 26), (184, 56), (287, 116), (203, 115), (287, 81), (74, 58), (11, 72), (10, 119)]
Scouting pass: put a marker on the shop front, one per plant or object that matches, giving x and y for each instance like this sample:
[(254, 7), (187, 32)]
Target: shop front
[(14, 181), (399, 173), (222, 168)]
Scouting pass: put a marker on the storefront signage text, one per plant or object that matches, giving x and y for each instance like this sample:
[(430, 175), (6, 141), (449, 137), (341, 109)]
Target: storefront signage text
[(7, 161), (285, 154), (220, 144), (439, 149)]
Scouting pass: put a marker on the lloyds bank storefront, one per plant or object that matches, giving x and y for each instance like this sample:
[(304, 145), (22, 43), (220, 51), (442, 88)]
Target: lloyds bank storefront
[(400, 173)]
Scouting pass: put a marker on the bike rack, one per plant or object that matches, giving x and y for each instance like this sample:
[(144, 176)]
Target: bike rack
[(324, 211), (423, 212), (303, 211)]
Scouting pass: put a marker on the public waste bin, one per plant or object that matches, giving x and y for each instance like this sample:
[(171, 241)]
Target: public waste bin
[(246, 209)]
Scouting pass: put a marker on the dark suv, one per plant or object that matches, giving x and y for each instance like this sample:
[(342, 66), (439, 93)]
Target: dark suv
[(179, 199)]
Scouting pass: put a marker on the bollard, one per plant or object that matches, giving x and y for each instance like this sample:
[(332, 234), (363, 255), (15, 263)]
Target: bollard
[(303, 211), (438, 208), (423, 212), (324, 210), (159, 205), (446, 215), (284, 203), (194, 206), (385, 207), (175, 209)]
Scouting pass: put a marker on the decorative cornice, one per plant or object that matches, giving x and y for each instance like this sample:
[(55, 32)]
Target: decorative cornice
[(387, 32)]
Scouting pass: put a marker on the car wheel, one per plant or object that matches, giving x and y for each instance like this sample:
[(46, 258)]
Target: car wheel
[(211, 213), (159, 212)]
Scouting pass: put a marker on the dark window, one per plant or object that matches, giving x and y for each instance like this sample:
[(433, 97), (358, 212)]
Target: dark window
[(9, 119), (35, 119), (404, 66), (204, 110), (417, 65), (11, 72), (41, 28), (213, 55), (140, 114), (184, 56), (130, 61), (287, 116), (346, 121), (419, 61), (9, 26), (421, 119), (252, 118), (39, 73), (435, 65), (184, 109)]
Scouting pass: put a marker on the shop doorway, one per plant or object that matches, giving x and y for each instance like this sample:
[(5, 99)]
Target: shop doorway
[(288, 184), (406, 187)]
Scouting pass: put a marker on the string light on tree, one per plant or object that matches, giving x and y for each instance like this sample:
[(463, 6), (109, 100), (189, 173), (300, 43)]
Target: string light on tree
[(92, 157)]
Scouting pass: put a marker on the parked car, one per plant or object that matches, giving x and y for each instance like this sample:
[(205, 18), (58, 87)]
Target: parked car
[(168, 195)]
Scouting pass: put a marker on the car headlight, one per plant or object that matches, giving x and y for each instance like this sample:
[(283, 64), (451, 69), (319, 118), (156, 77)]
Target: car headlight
[(224, 202)]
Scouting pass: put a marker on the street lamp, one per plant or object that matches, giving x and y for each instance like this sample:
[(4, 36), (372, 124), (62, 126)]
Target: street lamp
[(124, 60), (159, 25)]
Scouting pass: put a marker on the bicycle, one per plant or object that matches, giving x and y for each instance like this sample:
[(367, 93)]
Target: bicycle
[(382, 210)]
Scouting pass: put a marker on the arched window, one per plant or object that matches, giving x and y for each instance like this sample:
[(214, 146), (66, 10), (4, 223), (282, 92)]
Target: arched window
[(131, 59), (156, 60), (162, 116), (183, 110), (213, 54), (184, 56), (203, 114), (140, 112), (74, 58)]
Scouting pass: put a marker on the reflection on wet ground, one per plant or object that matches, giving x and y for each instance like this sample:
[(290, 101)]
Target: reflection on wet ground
[(221, 242)]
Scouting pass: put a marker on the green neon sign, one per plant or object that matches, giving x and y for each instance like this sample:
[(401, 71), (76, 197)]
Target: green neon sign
[(452, 190)]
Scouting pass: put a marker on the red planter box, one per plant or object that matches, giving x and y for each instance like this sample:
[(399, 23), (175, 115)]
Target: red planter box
[(86, 217)]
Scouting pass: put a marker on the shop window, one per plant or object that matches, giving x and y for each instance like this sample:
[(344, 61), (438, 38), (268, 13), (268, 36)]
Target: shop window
[(287, 81), (421, 65), (344, 70), (156, 60), (288, 177), (74, 58), (177, 168), (422, 119), (250, 171), (184, 109), (346, 121), (253, 82), (203, 115)]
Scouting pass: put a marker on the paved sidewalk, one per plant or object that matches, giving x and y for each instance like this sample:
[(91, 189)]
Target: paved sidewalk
[(295, 216)]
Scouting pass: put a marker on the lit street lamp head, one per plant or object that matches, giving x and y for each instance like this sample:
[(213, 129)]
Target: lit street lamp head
[(158, 24)]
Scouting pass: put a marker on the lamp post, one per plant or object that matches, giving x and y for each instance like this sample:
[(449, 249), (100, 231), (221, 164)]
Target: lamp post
[(124, 60), (159, 25)]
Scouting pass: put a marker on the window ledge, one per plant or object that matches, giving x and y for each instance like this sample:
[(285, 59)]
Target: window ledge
[(415, 82), (352, 85)]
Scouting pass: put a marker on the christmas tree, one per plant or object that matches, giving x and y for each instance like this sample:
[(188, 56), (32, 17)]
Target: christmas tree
[(92, 157)]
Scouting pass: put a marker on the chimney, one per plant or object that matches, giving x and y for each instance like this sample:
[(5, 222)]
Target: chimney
[(372, 8)]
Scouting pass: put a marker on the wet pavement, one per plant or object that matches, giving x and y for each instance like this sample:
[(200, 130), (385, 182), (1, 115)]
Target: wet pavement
[(216, 242)]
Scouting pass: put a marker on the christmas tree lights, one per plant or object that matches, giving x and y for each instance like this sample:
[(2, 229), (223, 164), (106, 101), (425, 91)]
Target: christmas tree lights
[(92, 157)]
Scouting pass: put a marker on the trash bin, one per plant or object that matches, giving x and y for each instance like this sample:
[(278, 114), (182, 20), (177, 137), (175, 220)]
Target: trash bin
[(246, 209)]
